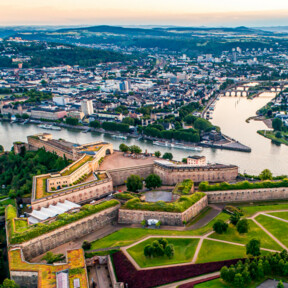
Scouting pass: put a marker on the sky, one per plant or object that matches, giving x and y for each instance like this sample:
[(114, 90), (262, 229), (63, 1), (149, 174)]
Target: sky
[(145, 12)]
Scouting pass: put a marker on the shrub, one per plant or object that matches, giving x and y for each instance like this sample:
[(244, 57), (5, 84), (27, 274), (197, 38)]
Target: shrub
[(234, 218), (181, 205), (242, 226), (51, 258), (86, 245), (153, 181), (62, 220), (253, 247), (204, 186), (220, 226), (124, 196)]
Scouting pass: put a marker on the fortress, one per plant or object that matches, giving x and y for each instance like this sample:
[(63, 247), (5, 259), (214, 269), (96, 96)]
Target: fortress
[(84, 180)]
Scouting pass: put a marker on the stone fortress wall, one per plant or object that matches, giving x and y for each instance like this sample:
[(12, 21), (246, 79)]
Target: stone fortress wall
[(173, 174), (263, 194), (89, 191), (127, 216), (119, 176), (67, 233)]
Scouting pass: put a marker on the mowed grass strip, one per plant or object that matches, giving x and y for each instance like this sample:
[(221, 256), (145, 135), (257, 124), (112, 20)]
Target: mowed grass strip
[(127, 236), (282, 215), (255, 232), (276, 227), (212, 251), (184, 252), (251, 210), (219, 283)]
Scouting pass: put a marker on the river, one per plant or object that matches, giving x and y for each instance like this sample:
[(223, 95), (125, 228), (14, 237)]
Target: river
[(230, 114)]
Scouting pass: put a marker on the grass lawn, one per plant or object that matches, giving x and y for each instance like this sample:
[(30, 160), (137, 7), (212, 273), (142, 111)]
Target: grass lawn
[(271, 135), (255, 231), (218, 283), (212, 251), (127, 236), (184, 252), (276, 227), (21, 225), (282, 215), (251, 210)]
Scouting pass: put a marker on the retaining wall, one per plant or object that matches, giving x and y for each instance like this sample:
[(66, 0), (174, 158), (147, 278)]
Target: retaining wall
[(127, 216), (67, 233), (264, 194)]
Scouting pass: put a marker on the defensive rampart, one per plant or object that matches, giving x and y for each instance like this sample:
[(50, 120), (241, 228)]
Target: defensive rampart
[(263, 194), (67, 233), (127, 216)]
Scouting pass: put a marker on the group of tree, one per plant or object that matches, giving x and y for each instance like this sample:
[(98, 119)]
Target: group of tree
[(72, 121), (113, 126), (256, 269), (135, 182), (242, 225), (134, 149), (159, 248), (8, 283), (51, 258), (17, 171)]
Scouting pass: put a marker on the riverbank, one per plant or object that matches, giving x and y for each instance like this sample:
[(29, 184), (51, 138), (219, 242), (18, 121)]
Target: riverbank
[(230, 143), (270, 134)]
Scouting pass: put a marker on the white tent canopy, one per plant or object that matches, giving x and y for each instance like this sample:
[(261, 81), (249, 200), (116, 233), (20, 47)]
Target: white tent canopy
[(53, 210)]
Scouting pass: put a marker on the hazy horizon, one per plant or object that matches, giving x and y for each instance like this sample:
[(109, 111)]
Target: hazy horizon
[(208, 13)]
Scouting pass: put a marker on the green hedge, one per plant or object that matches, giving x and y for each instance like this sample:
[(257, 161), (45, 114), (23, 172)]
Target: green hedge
[(62, 220), (181, 205), (124, 196), (184, 188), (205, 186)]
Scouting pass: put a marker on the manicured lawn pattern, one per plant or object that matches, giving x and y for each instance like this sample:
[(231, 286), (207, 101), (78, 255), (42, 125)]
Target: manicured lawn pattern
[(184, 252), (251, 210), (127, 236), (255, 232), (216, 251), (276, 227), (282, 215)]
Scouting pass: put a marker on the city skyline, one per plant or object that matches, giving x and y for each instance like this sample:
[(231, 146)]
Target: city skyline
[(126, 12)]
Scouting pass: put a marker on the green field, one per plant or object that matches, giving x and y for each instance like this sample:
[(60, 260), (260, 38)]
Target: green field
[(212, 251), (282, 215), (276, 227), (255, 231), (271, 135), (127, 236), (184, 252), (251, 210), (218, 283)]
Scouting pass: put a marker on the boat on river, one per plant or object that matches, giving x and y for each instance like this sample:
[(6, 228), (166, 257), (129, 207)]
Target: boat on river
[(120, 137), (178, 146), (49, 127)]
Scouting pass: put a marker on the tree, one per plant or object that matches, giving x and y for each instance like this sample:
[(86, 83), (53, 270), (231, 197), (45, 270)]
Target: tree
[(220, 226), (135, 149), (277, 124), (234, 218), (123, 148), (253, 248), (184, 160), (128, 120), (280, 284), (7, 283), (224, 273), (95, 124), (86, 245), (1, 149), (278, 134), (266, 174), (72, 121), (157, 154), (169, 251), (51, 258), (238, 280), (148, 250), (168, 156), (134, 183), (242, 226), (153, 181)]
